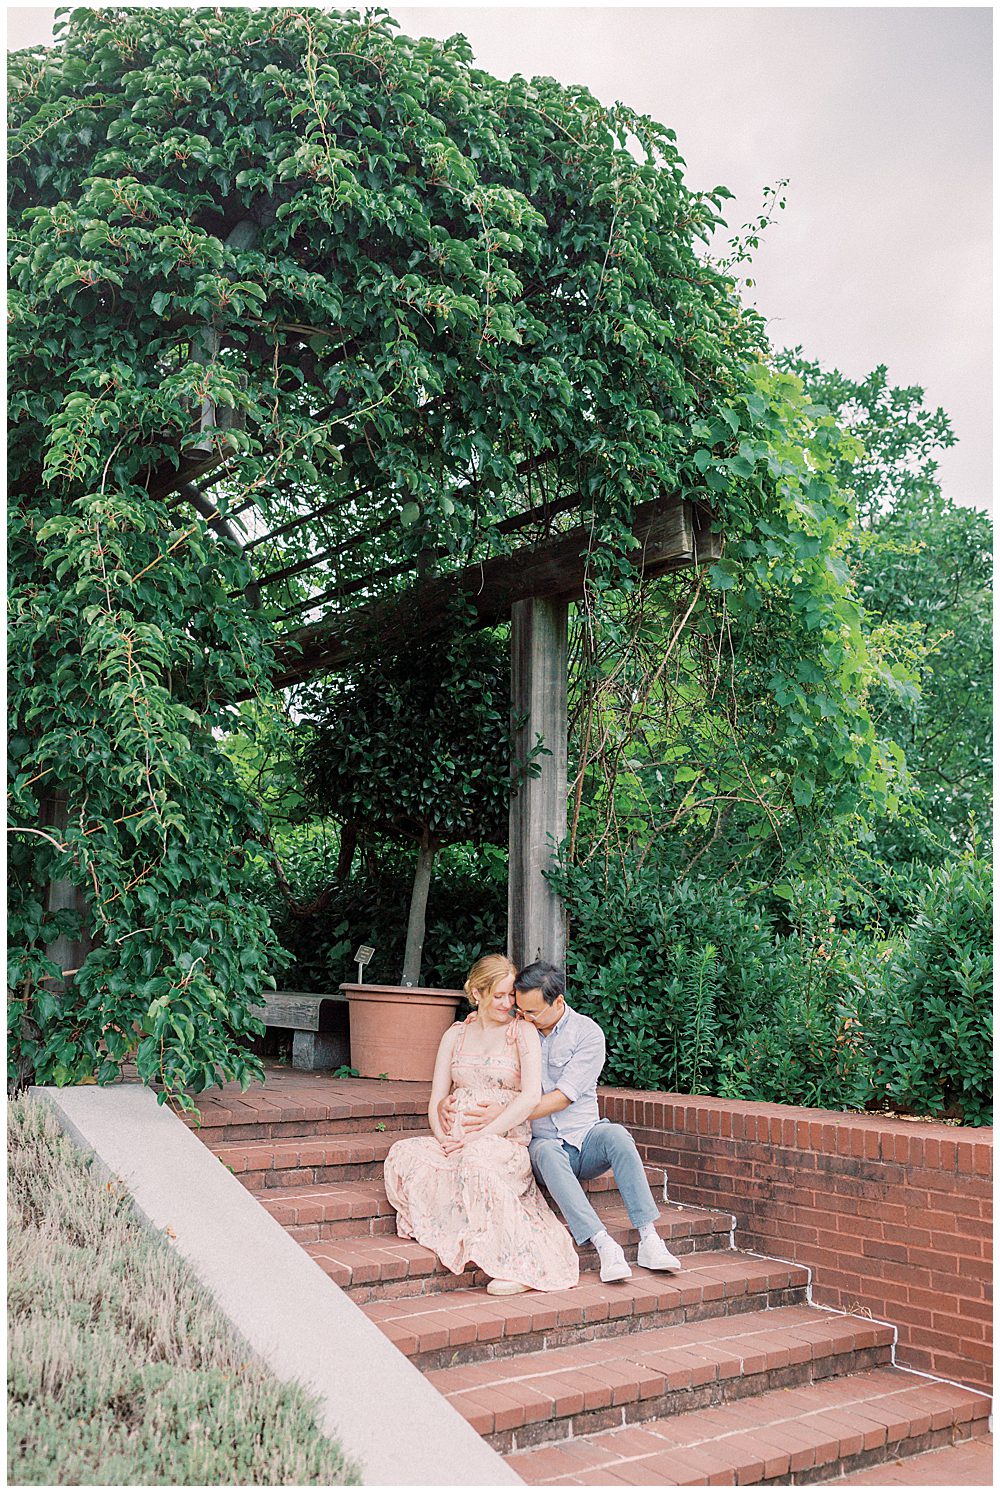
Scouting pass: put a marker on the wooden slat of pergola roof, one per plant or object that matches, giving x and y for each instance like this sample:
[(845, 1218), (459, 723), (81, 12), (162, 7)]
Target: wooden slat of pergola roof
[(532, 586), (671, 534)]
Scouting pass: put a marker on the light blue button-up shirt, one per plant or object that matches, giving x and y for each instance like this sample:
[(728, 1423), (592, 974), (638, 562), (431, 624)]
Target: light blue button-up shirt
[(572, 1058)]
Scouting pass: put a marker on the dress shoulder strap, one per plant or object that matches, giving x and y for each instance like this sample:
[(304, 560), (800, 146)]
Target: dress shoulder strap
[(463, 1027)]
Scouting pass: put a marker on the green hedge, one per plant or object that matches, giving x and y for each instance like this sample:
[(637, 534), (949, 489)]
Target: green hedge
[(936, 1050), (704, 987), (793, 993), (699, 991)]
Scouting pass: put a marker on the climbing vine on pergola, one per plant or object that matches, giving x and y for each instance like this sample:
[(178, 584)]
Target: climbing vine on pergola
[(305, 311)]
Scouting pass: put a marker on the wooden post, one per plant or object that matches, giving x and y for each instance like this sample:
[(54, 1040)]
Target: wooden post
[(538, 648), (63, 895)]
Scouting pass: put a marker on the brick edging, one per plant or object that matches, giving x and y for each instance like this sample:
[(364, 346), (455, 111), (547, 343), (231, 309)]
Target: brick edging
[(918, 1143), (892, 1217)]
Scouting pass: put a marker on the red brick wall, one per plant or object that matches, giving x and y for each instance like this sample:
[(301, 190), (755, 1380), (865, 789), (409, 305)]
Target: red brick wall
[(891, 1216)]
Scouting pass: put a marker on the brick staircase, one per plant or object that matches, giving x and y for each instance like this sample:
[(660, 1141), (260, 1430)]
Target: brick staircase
[(723, 1373)]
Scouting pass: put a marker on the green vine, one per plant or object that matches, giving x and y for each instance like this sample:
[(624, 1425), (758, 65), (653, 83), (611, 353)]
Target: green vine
[(394, 303)]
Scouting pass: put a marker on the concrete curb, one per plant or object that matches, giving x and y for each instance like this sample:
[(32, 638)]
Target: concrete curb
[(385, 1414)]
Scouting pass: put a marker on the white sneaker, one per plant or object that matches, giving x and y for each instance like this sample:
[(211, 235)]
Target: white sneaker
[(506, 1288), (614, 1265), (654, 1255)]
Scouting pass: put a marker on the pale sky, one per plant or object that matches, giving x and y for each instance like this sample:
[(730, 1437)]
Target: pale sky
[(881, 119)]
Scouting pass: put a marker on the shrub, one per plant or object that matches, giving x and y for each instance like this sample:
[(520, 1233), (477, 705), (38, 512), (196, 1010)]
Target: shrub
[(707, 988), (778, 993), (937, 1042), (665, 970), (815, 1044), (121, 1370)]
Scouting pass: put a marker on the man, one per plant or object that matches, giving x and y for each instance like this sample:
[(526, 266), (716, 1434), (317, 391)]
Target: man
[(570, 1142)]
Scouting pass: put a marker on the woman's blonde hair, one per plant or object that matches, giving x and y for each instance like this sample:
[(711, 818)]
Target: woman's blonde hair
[(487, 972)]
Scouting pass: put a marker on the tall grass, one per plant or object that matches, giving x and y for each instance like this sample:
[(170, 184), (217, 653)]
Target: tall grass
[(121, 1370)]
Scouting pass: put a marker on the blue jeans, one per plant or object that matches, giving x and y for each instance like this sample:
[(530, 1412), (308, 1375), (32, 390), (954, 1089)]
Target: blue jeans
[(563, 1167)]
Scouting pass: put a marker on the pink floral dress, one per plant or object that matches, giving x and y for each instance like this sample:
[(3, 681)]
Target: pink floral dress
[(481, 1205)]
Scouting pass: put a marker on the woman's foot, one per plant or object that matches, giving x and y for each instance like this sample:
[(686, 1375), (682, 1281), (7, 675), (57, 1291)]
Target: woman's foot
[(506, 1287)]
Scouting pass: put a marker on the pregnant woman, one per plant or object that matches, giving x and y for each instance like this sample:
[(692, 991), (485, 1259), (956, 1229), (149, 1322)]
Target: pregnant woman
[(474, 1199)]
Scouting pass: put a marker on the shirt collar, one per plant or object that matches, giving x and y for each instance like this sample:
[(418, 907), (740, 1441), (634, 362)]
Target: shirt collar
[(561, 1022)]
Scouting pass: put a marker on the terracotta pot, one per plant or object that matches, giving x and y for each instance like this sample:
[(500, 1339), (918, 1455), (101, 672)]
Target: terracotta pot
[(396, 1029)]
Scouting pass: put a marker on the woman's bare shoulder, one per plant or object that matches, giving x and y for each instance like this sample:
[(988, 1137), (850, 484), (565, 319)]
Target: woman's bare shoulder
[(452, 1035), (527, 1037)]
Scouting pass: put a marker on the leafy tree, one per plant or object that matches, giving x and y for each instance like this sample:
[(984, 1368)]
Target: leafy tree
[(927, 574), (416, 748), (924, 572), (692, 766), (466, 915), (728, 714), (394, 315), (899, 436)]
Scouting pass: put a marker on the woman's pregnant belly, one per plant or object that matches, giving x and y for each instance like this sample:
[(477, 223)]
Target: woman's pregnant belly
[(468, 1096)]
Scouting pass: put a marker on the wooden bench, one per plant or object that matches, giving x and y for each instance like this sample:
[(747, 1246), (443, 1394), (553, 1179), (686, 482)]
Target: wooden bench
[(320, 1027)]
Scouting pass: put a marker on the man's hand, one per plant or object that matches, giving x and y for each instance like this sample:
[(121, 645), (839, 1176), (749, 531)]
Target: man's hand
[(447, 1110), (480, 1115)]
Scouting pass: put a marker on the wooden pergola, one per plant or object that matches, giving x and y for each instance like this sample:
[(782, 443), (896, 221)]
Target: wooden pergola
[(531, 582)]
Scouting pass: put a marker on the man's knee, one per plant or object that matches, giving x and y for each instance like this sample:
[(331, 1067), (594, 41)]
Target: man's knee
[(618, 1142), (549, 1155)]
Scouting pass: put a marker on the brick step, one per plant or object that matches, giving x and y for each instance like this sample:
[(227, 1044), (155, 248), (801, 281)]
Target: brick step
[(586, 1387), (271, 1164), (346, 1157), (331, 1210), (337, 1210), (380, 1267), (439, 1329), (282, 1131), (809, 1434), (296, 1106), (964, 1464), (282, 1120), (388, 1269)]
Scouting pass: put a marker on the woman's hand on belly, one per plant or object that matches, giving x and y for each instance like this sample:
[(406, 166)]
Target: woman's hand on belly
[(447, 1111), (478, 1115)]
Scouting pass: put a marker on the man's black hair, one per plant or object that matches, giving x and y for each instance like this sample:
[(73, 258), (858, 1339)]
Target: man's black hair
[(548, 978)]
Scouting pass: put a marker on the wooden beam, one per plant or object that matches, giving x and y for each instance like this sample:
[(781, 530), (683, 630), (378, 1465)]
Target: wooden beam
[(536, 921), (708, 545), (335, 593), (194, 464), (555, 569), (301, 519), (541, 514), (308, 562)]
